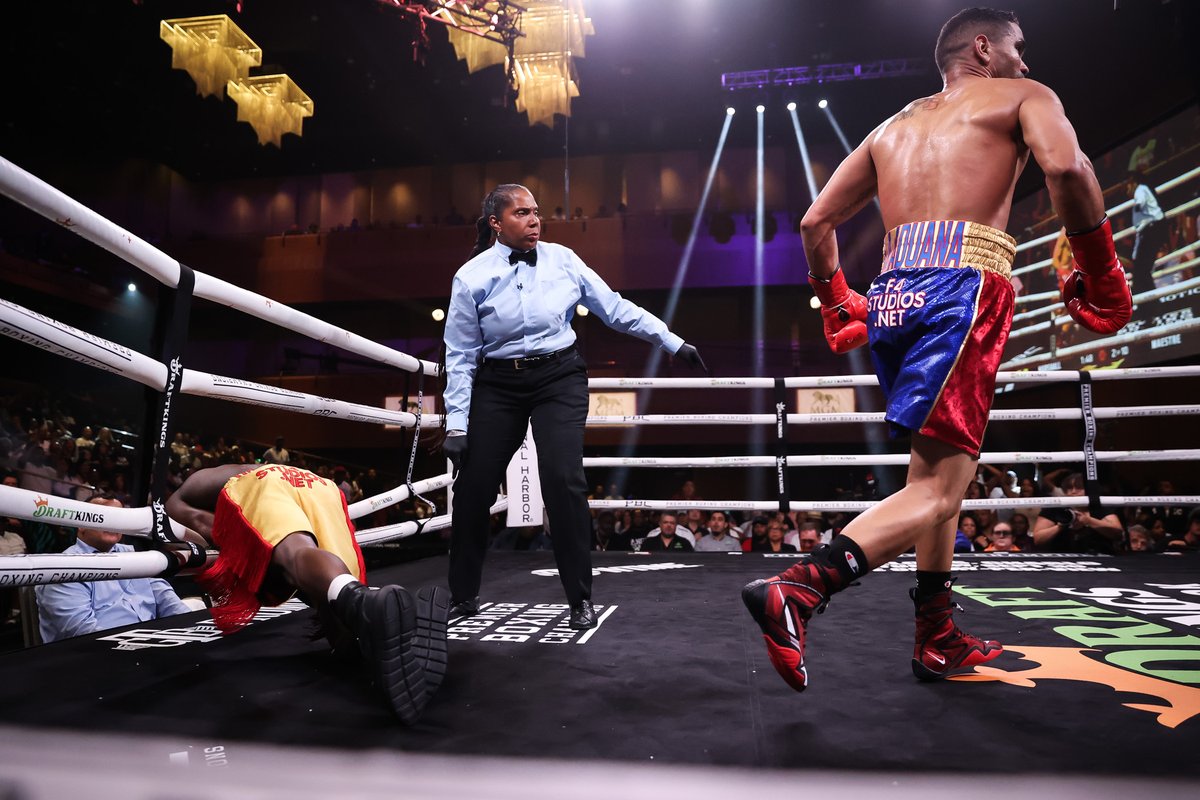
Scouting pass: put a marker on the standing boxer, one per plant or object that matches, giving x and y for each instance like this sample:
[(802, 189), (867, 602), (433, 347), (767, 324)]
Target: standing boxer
[(938, 315)]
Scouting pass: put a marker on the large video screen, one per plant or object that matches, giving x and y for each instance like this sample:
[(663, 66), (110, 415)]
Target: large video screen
[(1165, 277)]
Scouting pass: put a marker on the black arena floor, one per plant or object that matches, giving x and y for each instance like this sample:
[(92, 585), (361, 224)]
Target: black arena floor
[(1101, 674)]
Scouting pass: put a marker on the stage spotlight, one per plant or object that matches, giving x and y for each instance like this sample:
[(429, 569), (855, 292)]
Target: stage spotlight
[(760, 109), (581, 310), (729, 111), (438, 315), (823, 104), (791, 106), (814, 302), (132, 287)]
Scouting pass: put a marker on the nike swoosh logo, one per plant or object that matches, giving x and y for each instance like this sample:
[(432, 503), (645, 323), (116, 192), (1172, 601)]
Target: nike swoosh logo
[(936, 657)]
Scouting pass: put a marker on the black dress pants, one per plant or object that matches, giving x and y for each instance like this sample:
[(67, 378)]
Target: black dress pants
[(1146, 243), (554, 395)]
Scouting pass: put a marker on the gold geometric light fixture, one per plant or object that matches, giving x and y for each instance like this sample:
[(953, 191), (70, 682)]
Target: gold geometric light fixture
[(218, 55), (543, 65), (272, 104), (213, 50)]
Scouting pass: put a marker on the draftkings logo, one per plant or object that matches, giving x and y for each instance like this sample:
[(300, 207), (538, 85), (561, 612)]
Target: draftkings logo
[(42, 508), (1119, 647), (515, 623)]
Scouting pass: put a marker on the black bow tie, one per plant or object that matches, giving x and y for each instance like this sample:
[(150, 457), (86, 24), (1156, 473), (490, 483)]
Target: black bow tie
[(529, 257)]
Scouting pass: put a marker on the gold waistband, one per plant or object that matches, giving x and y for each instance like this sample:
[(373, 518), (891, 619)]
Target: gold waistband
[(949, 243)]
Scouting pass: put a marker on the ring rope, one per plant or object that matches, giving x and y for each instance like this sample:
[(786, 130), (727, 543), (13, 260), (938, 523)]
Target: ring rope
[(1155, 332), (1078, 501), (56, 337), (996, 415), (1002, 377), (888, 459), (1117, 209), (399, 494), (1140, 297), (44, 199)]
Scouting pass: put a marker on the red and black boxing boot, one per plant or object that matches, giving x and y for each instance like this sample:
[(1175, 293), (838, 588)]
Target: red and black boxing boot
[(941, 648), (783, 605)]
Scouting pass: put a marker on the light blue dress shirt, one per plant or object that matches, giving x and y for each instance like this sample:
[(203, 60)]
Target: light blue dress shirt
[(499, 310), (1145, 207), (75, 609)]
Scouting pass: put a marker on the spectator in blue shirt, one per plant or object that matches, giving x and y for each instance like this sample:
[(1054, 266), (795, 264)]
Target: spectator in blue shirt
[(75, 609), (510, 361)]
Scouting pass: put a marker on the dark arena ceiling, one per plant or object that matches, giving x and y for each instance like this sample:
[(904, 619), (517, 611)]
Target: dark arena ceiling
[(90, 83)]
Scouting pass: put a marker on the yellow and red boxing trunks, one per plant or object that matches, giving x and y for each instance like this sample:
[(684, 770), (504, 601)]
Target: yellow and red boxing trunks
[(938, 318), (257, 510)]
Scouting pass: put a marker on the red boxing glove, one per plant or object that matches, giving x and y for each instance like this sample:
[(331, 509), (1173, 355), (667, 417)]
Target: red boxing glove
[(843, 310), (1096, 293)]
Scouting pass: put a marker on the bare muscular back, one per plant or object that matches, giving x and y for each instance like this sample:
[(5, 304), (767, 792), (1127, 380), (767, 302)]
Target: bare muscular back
[(954, 155)]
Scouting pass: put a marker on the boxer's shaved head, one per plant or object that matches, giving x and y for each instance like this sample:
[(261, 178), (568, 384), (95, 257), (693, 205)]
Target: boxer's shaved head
[(959, 32)]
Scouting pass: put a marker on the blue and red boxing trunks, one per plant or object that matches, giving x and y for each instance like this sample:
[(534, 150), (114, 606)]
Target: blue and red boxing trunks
[(938, 317)]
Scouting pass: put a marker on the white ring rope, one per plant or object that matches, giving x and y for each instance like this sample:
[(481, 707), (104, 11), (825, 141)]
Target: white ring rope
[(61, 339), (889, 459), (34, 570), (825, 506), (28, 570), (401, 493), (400, 530), (996, 415), (1003, 377), (1138, 299), (1117, 209), (41, 197), (1155, 332)]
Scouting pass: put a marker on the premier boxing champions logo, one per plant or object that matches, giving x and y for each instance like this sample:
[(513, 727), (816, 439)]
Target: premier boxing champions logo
[(518, 623), (1117, 646)]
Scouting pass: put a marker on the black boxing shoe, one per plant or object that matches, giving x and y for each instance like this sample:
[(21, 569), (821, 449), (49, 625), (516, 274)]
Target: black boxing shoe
[(583, 616), (464, 608), (429, 643), (384, 622)]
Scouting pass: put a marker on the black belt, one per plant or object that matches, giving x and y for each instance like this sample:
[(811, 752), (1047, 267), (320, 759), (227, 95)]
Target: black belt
[(528, 362)]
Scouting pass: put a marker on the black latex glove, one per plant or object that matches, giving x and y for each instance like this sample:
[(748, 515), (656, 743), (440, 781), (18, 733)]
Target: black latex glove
[(691, 356), (455, 448)]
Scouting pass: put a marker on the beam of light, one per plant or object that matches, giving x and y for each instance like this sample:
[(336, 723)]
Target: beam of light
[(808, 170), (630, 439), (837, 130), (686, 258), (756, 479), (759, 227)]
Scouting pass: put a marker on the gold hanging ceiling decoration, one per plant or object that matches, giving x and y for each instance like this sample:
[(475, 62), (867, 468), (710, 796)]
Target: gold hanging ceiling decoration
[(213, 50), (218, 55), (272, 104), (542, 65), (536, 41)]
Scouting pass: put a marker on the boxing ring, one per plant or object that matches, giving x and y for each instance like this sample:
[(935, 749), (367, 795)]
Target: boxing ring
[(484, 698)]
